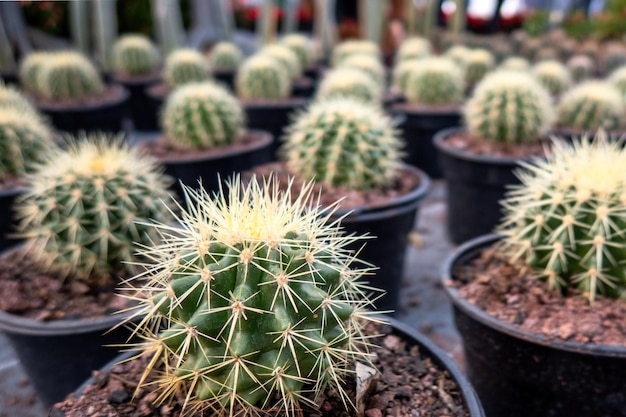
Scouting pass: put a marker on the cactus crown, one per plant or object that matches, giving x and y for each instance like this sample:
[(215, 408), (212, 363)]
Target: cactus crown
[(553, 75), (563, 219), (618, 79), (349, 82), (135, 55), (590, 106), (68, 75), (479, 62), (509, 106), (435, 81), (201, 116), (184, 66), (225, 56), (346, 48), (29, 69), (271, 293), (286, 57), (343, 142), (401, 72), (301, 46), (368, 64), (413, 48), (262, 77), (581, 67), (515, 63), (87, 204)]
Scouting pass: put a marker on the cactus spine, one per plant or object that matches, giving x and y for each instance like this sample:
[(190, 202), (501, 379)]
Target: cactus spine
[(349, 82), (435, 81), (553, 75), (202, 116), (68, 75), (590, 106), (184, 66), (135, 55), (225, 56), (262, 77)]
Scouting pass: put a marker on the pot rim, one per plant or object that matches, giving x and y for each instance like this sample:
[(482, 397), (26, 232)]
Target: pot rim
[(509, 329), (289, 103), (90, 107), (425, 110)]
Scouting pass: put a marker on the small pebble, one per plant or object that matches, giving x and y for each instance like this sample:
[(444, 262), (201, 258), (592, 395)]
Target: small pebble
[(118, 396)]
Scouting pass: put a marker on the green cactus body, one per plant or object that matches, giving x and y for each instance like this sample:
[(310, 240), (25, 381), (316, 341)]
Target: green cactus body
[(349, 82), (225, 56), (369, 65), (618, 79), (343, 142), (262, 77), (590, 106), (516, 63), (413, 48), (346, 48), (401, 73), (29, 69), (184, 66), (87, 205), (68, 75), (479, 63), (459, 54), (255, 298), (286, 57), (553, 75), (202, 116), (435, 81), (301, 46), (509, 106), (581, 67), (12, 99), (135, 55), (566, 218)]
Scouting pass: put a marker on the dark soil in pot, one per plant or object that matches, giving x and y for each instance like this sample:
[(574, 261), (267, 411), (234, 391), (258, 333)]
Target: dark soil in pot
[(530, 351), (386, 214), (477, 174), (103, 113), (141, 112), (416, 379)]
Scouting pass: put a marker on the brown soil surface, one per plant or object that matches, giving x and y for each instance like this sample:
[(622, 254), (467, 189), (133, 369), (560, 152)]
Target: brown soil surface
[(467, 143), (26, 292), (160, 90), (410, 385), (509, 293), (352, 199), (111, 94)]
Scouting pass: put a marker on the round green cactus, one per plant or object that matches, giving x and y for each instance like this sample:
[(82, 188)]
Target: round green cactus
[(135, 55), (225, 56), (618, 79), (343, 142), (11, 98), (346, 48), (349, 82), (435, 81), (590, 106), (479, 62), (262, 77), (413, 48), (202, 116), (581, 67), (509, 106), (369, 65), (553, 75), (68, 75), (253, 303), (459, 54), (564, 219), (515, 63), (401, 73), (29, 69), (184, 66), (286, 57), (87, 205), (301, 46)]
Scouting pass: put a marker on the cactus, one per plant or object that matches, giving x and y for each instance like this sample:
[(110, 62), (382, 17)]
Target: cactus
[(516, 63), (29, 69), (349, 82), (546, 53), (343, 142), (459, 54), (618, 79), (184, 66), (413, 48), (87, 204), (590, 106), (11, 98), (563, 220), (262, 77), (346, 48), (435, 81), (401, 73), (225, 56), (581, 67), (553, 75), (68, 75), (301, 46), (531, 48), (614, 57), (253, 303), (202, 116), (135, 55), (286, 57), (510, 107), (479, 63), (369, 65)]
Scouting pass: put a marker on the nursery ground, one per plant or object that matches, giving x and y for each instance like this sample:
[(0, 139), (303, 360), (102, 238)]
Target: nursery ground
[(423, 305)]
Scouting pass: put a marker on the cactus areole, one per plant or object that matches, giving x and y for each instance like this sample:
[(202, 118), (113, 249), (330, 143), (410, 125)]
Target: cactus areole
[(252, 303)]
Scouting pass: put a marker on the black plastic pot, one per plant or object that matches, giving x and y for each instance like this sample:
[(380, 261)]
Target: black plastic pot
[(8, 223), (106, 116), (521, 374), (227, 78), (475, 186), (10, 78), (139, 106), (402, 330), (304, 87), (419, 127)]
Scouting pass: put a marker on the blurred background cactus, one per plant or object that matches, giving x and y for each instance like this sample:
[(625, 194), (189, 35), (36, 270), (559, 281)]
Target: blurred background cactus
[(515, 63), (29, 69), (618, 79), (581, 67), (68, 75), (435, 81), (262, 77), (350, 47), (135, 54), (225, 56), (301, 46), (413, 48), (553, 75), (401, 72), (478, 63), (590, 106), (349, 82), (285, 57), (184, 66), (369, 64)]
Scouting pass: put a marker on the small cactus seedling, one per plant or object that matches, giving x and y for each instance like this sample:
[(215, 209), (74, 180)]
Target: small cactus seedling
[(86, 206), (202, 116), (184, 66), (301, 46), (564, 219), (286, 57), (553, 75), (590, 106), (135, 55), (435, 81), (618, 79), (225, 56), (346, 48), (479, 63), (401, 73), (413, 48), (254, 303), (68, 75), (262, 77), (581, 67), (29, 69), (368, 64), (349, 82), (509, 106), (516, 63), (343, 142)]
